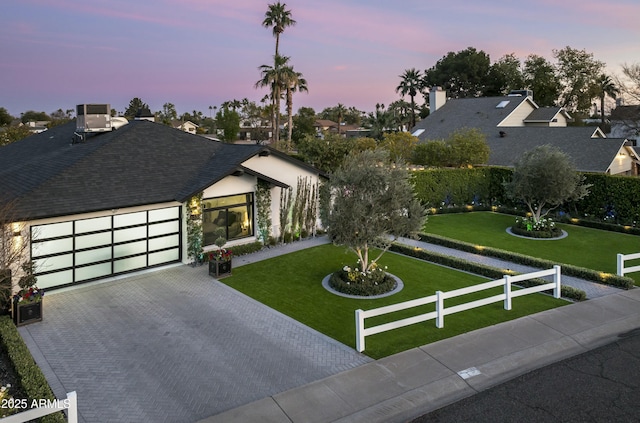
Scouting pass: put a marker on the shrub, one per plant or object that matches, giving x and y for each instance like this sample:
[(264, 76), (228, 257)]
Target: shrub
[(31, 378), (240, 250), (354, 282), (543, 228)]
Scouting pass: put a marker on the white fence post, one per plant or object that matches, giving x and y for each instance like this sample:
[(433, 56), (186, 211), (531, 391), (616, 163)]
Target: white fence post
[(557, 279), (359, 331), (507, 292), (72, 411), (438, 300), (439, 310), (620, 264)]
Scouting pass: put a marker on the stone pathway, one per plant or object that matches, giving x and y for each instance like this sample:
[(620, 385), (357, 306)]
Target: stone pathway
[(592, 289)]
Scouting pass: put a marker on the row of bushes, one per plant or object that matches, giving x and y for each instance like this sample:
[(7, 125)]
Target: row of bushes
[(611, 199), (567, 269), (31, 378), (479, 269)]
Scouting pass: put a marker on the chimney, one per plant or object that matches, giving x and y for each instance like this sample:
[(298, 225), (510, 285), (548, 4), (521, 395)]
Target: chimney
[(437, 98)]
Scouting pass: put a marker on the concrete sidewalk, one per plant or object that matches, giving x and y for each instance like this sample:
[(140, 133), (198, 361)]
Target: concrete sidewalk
[(409, 384)]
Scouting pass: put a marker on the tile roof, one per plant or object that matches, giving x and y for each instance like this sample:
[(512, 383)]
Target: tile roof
[(141, 163)]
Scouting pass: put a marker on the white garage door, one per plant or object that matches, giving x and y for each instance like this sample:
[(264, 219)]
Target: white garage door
[(84, 250)]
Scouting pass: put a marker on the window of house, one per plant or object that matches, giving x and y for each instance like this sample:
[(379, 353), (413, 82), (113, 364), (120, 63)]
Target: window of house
[(234, 213)]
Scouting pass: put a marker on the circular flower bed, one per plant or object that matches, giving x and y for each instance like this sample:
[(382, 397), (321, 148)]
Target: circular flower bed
[(352, 281), (544, 228)]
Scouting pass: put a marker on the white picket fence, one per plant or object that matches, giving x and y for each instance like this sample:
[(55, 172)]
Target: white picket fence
[(625, 257), (70, 404), (441, 311)]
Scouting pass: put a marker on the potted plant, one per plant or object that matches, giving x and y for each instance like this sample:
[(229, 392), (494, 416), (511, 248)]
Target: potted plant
[(220, 259), (27, 303)]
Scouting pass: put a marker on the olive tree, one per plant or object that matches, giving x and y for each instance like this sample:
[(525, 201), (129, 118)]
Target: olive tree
[(544, 178), (372, 205)]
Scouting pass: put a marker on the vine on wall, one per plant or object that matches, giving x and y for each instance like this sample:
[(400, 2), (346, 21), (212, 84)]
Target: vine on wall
[(263, 205), (194, 228)]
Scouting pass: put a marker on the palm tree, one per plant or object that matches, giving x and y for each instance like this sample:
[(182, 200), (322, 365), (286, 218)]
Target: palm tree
[(379, 122), (399, 109), (291, 81), (278, 18), (270, 77), (605, 87), (340, 111), (411, 83)]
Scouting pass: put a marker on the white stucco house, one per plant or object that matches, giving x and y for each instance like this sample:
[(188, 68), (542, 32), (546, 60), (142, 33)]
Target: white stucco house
[(186, 126), (117, 202)]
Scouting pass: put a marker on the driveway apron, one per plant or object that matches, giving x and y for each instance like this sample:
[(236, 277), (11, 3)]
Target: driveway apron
[(174, 345)]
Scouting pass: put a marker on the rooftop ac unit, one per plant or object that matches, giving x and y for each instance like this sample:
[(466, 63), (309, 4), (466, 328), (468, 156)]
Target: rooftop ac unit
[(93, 118)]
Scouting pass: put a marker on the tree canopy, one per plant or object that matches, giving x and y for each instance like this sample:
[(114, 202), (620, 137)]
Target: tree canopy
[(465, 147), (539, 76), (31, 115), (400, 145), (577, 71), (544, 178), (328, 153), (5, 117), (135, 105), (229, 121), (373, 204), (462, 74)]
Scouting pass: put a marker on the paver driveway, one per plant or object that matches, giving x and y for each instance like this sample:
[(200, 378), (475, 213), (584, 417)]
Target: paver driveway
[(174, 345)]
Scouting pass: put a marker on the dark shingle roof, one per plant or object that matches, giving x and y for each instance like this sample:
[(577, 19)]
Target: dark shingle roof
[(543, 114), (626, 113), (140, 163), (480, 113), (588, 154)]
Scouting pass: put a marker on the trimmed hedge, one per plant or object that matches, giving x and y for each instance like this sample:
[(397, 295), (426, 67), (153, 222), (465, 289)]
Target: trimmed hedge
[(567, 269), (611, 199), (480, 269), (616, 198), (31, 378), (594, 224)]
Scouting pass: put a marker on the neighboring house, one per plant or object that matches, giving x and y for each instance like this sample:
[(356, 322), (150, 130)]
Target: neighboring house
[(119, 201), (255, 134), (625, 122), (514, 124), (35, 127), (186, 126), (325, 125)]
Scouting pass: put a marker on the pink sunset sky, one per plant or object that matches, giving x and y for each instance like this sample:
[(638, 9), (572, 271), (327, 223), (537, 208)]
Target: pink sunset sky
[(199, 53)]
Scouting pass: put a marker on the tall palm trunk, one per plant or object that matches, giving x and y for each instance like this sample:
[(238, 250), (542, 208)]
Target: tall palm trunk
[(290, 117)]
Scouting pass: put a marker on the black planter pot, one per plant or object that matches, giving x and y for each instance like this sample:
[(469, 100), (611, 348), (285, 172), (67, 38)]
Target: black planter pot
[(26, 313), (219, 268)]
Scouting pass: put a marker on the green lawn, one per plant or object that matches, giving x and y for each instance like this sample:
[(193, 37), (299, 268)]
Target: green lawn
[(585, 247), (291, 284)]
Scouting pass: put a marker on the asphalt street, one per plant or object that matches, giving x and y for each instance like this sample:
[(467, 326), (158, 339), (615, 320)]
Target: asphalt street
[(602, 385)]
